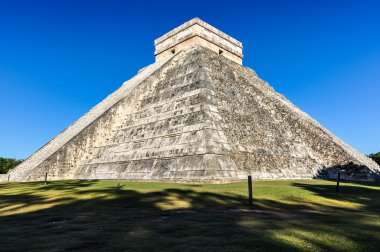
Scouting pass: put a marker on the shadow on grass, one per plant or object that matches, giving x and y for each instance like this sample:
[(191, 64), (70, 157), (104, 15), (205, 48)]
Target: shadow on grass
[(136, 221), (69, 184), (368, 197)]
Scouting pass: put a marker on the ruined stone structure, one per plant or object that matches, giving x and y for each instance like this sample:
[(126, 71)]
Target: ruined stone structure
[(195, 115)]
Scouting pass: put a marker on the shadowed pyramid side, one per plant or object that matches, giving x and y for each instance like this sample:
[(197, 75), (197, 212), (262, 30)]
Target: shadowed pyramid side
[(270, 138)]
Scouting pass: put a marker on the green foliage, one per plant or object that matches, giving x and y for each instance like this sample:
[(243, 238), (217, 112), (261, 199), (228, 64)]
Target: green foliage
[(375, 157), (8, 163)]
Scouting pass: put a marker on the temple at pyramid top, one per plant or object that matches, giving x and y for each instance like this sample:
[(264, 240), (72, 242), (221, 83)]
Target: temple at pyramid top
[(194, 32)]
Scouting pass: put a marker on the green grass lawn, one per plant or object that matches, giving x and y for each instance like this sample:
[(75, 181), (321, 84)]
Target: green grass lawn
[(299, 215)]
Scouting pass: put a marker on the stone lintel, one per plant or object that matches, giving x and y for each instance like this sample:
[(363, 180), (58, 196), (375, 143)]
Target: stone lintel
[(199, 32)]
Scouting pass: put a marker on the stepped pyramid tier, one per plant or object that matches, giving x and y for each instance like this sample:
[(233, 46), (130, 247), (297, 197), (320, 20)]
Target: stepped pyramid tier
[(195, 115)]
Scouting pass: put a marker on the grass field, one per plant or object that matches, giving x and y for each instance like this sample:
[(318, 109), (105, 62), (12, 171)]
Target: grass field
[(295, 215)]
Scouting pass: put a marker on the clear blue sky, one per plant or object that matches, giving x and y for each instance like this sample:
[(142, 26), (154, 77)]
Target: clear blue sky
[(60, 58)]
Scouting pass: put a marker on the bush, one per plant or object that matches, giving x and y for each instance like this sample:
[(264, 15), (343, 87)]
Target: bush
[(375, 157), (8, 163)]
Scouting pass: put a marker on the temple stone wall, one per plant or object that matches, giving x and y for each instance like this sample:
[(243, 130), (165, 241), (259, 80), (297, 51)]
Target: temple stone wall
[(196, 40), (197, 32)]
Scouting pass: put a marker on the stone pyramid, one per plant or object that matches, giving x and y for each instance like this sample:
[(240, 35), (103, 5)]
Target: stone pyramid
[(195, 115)]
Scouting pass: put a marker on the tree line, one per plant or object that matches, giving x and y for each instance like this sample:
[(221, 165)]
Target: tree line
[(8, 163), (375, 157)]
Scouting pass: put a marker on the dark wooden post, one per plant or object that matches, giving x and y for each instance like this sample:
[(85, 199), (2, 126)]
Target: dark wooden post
[(46, 178), (337, 182), (250, 197), (118, 174)]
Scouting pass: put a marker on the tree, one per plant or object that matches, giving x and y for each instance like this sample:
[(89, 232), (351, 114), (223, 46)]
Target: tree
[(8, 163), (375, 157)]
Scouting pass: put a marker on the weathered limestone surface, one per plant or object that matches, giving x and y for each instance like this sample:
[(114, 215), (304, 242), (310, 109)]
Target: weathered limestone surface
[(197, 117), (4, 177), (51, 147)]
